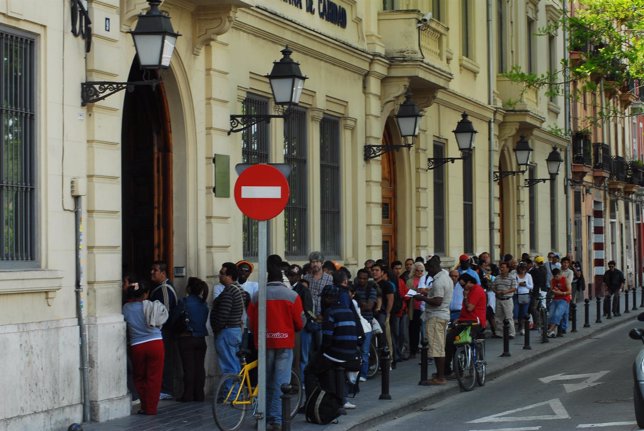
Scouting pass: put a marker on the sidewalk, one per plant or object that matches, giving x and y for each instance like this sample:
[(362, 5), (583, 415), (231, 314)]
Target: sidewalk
[(406, 395)]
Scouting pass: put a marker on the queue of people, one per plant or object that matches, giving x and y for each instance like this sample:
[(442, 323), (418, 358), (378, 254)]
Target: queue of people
[(322, 318)]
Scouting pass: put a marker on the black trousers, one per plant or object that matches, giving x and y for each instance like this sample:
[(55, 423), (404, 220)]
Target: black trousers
[(611, 301), (193, 353), (414, 332)]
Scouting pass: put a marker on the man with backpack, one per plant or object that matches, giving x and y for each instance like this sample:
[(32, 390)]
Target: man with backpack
[(339, 349)]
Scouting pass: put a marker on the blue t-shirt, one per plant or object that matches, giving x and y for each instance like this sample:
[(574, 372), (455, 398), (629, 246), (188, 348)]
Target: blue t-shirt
[(138, 331)]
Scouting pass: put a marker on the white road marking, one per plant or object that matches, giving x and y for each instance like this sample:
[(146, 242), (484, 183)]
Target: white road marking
[(261, 192), (558, 410), (607, 424), (590, 380), (512, 429)]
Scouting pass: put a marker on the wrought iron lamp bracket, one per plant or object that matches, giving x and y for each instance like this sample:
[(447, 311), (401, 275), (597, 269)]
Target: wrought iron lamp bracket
[(93, 91), (373, 151), (499, 175)]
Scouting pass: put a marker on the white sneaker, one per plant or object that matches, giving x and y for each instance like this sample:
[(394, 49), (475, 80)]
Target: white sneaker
[(164, 396), (363, 379), (349, 406)]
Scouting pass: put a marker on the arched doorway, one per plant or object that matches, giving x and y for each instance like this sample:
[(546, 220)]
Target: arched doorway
[(146, 178), (388, 188)]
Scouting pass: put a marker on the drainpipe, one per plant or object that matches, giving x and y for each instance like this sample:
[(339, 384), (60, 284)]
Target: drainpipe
[(490, 128), (77, 193), (568, 157)]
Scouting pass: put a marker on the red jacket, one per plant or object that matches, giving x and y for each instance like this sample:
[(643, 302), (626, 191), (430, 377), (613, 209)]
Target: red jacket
[(284, 316)]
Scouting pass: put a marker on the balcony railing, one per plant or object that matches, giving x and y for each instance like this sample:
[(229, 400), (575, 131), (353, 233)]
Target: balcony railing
[(582, 149), (601, 157), (619, 169)]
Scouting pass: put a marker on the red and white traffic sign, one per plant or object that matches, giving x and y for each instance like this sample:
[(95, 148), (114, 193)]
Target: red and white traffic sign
[(261, 192)]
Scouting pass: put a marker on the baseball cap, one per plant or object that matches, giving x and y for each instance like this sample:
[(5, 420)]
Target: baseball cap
[(241, 263), (464, 258), (539, 259)]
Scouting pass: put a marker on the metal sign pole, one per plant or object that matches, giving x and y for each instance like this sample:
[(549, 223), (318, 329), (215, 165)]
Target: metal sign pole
[(262, 255)]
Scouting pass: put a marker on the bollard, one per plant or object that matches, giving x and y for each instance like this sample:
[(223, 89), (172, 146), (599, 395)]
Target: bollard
[(626, 310), (506, 338), (642, 297), (586, 313), (526, 335), (599, 310), (608, 303), (287, 390), (617, 298), (573, 315), (544, 327), (423, 362), (384, 368), (634, 307)]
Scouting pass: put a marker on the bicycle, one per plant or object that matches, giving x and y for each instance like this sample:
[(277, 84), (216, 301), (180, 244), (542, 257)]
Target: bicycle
[(235, 395), (469, 364)]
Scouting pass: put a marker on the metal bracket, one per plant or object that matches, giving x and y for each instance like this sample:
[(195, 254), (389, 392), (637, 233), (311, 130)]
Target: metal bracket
[(499, 175), (533, 181), (245, 121), (373, 151), (80, 17), (93, 91), (437, 162)]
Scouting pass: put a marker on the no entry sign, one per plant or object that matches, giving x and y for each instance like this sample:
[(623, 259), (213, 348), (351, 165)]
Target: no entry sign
[(261, 191)]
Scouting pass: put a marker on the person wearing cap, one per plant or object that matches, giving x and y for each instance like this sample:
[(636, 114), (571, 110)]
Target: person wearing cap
[(539, 277), (613, 283), (245, 269), (560, 301), (339, 346), (504, 287), (465, 267), (317, 279)]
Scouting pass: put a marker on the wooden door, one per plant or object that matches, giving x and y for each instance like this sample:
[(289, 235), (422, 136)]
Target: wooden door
[(388, 187), (146, 180)]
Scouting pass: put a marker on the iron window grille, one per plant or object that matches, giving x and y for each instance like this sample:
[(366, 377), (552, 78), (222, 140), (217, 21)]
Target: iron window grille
[(439, 201), (330, 187), (18, 213), (582, 149), (296, 211), (255, 145)]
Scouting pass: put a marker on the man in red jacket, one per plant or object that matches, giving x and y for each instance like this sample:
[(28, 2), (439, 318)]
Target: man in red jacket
[(284, 307)]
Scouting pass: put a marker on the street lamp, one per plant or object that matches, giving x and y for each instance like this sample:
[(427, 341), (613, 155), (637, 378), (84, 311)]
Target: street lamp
[(408, 121), (287, 83), (154, 41), (465, 134), (522, 153), (553, 162)]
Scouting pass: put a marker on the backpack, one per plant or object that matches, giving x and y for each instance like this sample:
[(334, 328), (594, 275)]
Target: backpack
[(322, 407), (398, 302)]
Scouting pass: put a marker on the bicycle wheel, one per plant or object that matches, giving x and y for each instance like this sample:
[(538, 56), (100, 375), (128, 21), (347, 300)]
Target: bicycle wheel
[(374, 361), (296, 396), (463, 367), (481, 365), (231, 401)]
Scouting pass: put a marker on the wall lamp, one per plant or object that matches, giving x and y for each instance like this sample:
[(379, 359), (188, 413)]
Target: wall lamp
[(465, 135), (287, 83), (408, 121), (553, 162), (154, 40), (522, 153)]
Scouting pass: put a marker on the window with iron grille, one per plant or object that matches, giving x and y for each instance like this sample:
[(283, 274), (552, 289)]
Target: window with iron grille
[(532, 209), (500, 36), (439, 201), (468, 205), (296, 212), (255, 144), (330, 228), (18, 212)]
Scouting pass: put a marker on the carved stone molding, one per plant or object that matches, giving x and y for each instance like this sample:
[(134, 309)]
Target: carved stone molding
[(208, 22), (507, 130)]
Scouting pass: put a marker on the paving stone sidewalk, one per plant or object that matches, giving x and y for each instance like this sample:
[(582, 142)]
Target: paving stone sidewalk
[(406, 395)]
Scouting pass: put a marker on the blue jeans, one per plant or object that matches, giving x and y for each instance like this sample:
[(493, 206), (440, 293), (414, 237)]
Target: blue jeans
[(364, 367), (306, 341), (564, 319), (557, 309), (227, 343), (278, 372)]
